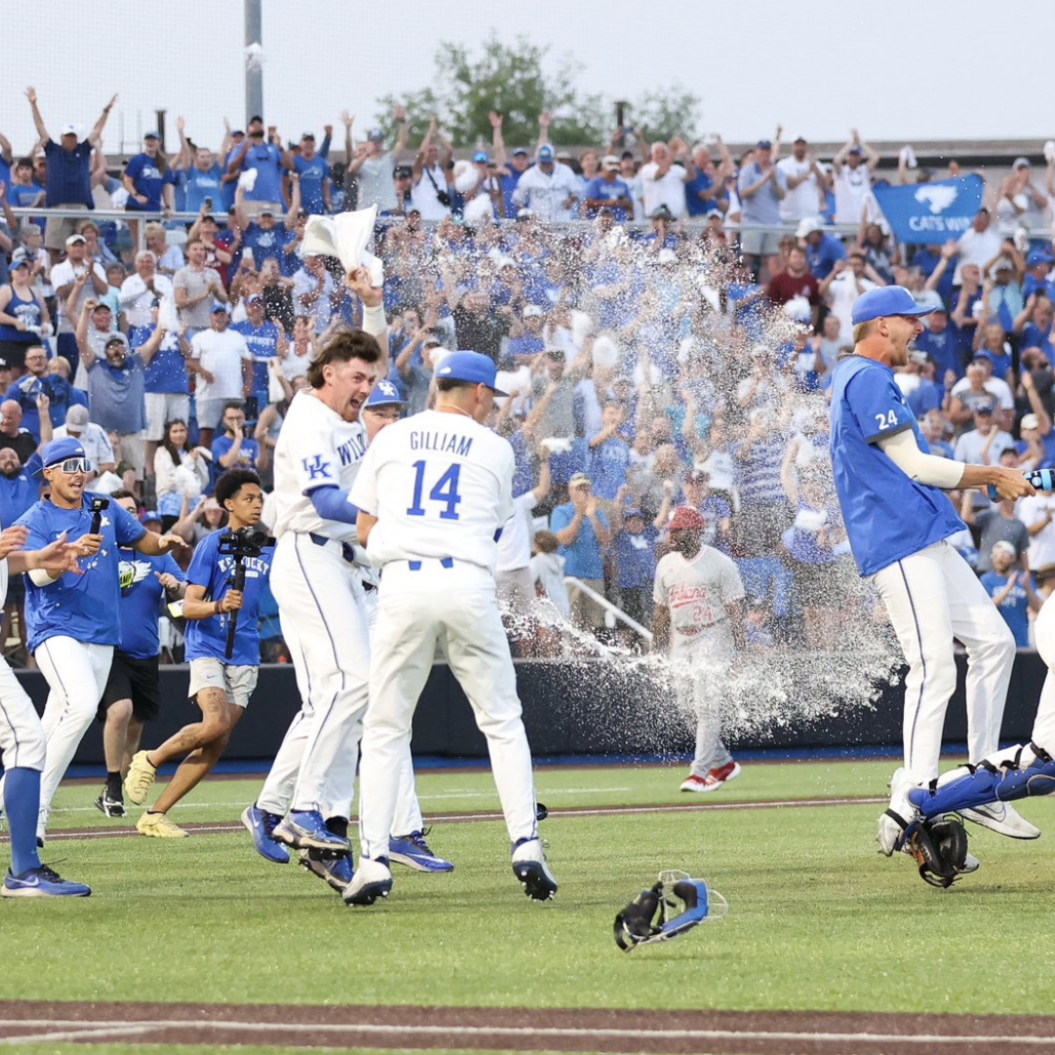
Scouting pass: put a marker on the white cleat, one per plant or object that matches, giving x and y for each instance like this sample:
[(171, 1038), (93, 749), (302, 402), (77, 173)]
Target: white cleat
[(900, 815), (372, 879), (1002, 818)]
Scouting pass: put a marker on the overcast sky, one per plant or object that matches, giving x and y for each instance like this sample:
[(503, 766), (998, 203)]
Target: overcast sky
[(904, 70)]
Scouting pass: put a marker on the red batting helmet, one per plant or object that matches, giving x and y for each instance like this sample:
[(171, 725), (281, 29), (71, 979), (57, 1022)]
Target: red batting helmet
[(685, 517)]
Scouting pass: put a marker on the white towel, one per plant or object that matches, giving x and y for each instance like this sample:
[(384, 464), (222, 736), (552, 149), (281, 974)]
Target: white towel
[(346, 237), (247, 180)]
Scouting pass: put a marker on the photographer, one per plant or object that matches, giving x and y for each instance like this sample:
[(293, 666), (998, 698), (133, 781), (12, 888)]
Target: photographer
[(221, 681)]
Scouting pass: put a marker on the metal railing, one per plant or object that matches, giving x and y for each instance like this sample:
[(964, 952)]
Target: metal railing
[(614, 610)]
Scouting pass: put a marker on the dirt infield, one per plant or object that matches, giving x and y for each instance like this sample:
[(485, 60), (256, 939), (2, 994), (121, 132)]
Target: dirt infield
[(696, 1032)]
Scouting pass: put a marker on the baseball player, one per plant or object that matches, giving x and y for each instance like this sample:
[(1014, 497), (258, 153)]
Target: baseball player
[(898, 523), (220, 684), (22, 738), (321, 593), (74, 620), (133, 690), (699, 620), (433, 493)]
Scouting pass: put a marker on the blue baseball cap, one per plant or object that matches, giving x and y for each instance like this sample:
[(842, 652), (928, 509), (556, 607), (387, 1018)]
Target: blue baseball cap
[(545, 153), (886, 300), (151, 135), (220, 306), (472, 367), (385, 394), (1038, 256), (480, 155), (149, 515), (763, 144), (59, 450)]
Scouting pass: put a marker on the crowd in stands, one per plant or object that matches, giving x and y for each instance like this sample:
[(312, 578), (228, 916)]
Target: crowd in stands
[(665, 318)]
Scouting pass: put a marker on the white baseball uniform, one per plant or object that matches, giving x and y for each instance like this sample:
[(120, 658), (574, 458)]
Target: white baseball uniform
[(325, 622), (440, 486), (696, 593)]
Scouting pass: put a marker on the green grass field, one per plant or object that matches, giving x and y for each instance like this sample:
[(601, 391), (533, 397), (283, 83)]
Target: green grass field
[(818, 919)]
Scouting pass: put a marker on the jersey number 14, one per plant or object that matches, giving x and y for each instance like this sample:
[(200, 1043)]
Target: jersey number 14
[(444, 492)]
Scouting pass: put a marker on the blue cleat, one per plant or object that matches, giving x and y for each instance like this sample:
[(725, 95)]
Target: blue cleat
[(261, 825), (306, 830), (42, 882), (337, 871), (412, 850)]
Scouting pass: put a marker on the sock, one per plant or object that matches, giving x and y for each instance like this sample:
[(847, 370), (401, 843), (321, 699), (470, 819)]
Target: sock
[(113, 785), (22, 803), (337, 826)]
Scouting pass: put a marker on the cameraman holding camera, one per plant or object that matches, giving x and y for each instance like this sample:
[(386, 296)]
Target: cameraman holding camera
[(74, 619), (223, 649)]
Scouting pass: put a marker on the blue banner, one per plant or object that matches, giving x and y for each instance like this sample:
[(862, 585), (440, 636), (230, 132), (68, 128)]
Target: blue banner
[(931, 212)]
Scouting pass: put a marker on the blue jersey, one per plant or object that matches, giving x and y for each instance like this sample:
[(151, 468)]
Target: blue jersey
[(887, 515), (202, 185), (148, 180), (1015, 607), (207, 638), (313, 174), (85, 607), (141, 593), (263, 343)]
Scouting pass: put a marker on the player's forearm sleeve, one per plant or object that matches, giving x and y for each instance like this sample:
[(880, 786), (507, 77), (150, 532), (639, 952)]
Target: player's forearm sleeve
[(331, 503), (904, 452), (374, 321), (39, 577)]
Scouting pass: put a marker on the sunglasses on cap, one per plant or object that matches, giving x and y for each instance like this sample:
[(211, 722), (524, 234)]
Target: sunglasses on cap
[(74, 465)]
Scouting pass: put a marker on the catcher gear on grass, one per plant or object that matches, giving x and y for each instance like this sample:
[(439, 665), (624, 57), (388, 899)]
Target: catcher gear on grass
[(940, 850), (673, 905)]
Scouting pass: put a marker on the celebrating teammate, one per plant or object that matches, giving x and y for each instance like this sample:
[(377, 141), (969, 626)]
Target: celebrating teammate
[(22, 737), (220, 683), (133, 690), (433, 492), (74, 620), (699, 618), (898, 524)]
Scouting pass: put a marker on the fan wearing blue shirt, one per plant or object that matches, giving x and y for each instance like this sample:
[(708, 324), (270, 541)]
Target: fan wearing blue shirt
[(231, 449), (221, 682), (73, 620), (898, 522), (608, 191), (314, 172), (264, 340), (133, 690), (1011, 591), (148, 179), (268, 159)]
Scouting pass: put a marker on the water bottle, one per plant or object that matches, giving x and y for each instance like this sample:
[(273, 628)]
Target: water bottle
[(1041, 479)]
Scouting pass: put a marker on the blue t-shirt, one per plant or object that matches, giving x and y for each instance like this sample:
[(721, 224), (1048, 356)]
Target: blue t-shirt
[(247, 456), (58, 390), (147, 179), (267, 243), (1015, 608), (167, 371), (583, 558), (609, 462), (267, 160), (263, 343), (207, 638), (115, 394), (69, 175), (694, 204), (887, 515), (202, 185), (601, 190), (313, 174), (17, 495), (945, 348), (85, 607), (635, 557), (822, 257), (141, 593)]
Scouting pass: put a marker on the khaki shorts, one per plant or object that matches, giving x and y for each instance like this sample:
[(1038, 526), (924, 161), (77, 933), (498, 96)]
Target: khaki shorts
[(237, 682), (162, 407), (756, 242), (59, 228), (585, 611)]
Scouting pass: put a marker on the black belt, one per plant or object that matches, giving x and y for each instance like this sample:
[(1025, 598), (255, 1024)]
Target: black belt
[(347, 549)]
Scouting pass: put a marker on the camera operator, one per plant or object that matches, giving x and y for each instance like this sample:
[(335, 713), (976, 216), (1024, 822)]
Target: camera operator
[(133, 691), (74, 620), (221, 678)]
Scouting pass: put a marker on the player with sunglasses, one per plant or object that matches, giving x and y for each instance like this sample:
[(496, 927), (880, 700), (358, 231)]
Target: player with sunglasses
[(74, 620)]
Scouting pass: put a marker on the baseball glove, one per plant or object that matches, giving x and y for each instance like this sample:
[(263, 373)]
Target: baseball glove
[(940, 850), (669, 908)]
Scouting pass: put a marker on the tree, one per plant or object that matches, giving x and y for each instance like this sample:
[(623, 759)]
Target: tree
[(520, 82)]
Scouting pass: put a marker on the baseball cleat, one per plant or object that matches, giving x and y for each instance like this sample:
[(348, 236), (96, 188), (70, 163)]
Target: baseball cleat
[(714, 779), (894, 821), (330, 868), (694, 783), (306, 830), (529, 866), (1002, 818), (158, 826), (42, 882), (140, 778), (261, 826), (412, 850), (372, 880), (110, 807)]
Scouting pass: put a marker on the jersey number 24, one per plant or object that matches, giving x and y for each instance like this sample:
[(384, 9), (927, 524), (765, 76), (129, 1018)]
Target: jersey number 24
[(444, 492)]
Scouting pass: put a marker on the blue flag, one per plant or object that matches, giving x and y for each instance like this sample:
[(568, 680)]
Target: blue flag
[(931, 212)]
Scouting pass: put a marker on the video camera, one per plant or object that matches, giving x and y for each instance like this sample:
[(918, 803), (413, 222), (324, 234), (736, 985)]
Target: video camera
[(245, 542)]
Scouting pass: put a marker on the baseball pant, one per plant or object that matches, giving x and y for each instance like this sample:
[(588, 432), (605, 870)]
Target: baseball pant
[(422, 605), (21, 734), (76, 673), (932, 597), (699, 684), (1044, 723)]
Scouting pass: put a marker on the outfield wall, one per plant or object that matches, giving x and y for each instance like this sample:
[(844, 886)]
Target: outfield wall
[(586, 708)]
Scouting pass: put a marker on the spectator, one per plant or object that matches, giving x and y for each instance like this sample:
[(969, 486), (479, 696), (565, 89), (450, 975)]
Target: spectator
[(43, 397), (1021, 204), (265, 238), (609, 459), (68, 183), (853, 166), (846, 282), (266, 341), (376, 167), (22, 192), (196, 287), (795, 281), (980, 243), (314, 292), (12, 435), (92, 438), (762, 187), (705, 192), (141, 290), (102, 324), (634, 553), (64, 276), (232, 449), (983, 444), (169, 257), (939, 339), (608, 191), (204, 177), (823, 251), (1011, 590), (313, 171), (1038, 273), (268, 160), (584, 536), (663, 180), (148, 180), (997, 523), (24, 316), (1033, 324), (223, 362), (549, 189), (429, 175), (763, 514), (807, 184), (181, 472)]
